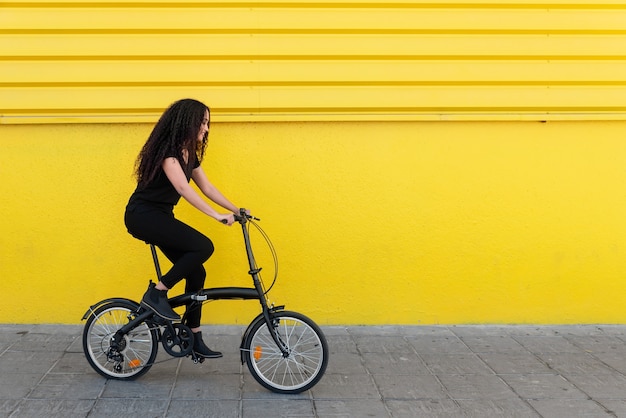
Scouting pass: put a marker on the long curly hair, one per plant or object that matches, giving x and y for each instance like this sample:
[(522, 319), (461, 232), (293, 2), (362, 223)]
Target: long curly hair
[(176, 131)]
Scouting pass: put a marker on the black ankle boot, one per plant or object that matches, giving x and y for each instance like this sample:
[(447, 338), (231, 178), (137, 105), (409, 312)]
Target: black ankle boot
[(201, 349), (156, 300)]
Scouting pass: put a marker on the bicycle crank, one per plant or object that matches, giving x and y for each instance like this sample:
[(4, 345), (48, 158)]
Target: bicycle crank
[(177, 340)]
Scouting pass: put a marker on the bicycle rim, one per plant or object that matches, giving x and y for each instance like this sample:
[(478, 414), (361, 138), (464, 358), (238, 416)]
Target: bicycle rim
[(137, 349), (307, 355)]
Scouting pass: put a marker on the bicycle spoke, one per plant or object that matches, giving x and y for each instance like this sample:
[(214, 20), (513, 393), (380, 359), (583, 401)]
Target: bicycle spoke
[(134, 352), (303, 363)]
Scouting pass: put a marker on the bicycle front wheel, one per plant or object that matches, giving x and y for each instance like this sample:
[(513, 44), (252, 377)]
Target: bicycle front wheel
[(301, 367), (137, 349)]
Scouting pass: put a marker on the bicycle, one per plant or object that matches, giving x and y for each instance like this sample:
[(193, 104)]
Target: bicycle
[(285, 351)]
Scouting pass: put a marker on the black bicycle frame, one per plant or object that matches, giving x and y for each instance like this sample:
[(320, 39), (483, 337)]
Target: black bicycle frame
[(216, 293)]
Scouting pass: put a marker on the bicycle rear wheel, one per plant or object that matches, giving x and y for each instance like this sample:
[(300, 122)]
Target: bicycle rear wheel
[(137, 349), (306, 360)]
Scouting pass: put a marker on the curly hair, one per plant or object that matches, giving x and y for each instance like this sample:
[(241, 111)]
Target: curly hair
[(176, 131)]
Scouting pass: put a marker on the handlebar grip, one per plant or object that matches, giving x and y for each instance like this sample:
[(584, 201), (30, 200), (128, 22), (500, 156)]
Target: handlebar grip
[(243, 213)]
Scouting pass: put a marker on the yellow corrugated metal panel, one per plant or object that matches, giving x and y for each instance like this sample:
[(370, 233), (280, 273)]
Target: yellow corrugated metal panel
[(298, 60)]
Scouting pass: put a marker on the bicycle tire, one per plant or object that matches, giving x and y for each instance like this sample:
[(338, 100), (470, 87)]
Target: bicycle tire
[(138, 348), (305, 363)]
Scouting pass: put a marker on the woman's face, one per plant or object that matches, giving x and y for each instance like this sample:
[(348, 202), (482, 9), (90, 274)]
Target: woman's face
[(204, 128)]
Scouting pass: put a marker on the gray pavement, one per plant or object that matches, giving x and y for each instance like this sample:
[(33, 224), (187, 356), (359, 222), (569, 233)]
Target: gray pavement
[(419, 371)]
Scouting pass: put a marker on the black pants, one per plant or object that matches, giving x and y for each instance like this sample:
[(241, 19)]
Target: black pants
[(185, 247)]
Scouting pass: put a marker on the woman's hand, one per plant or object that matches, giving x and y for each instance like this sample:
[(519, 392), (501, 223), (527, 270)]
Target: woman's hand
[(226, 219)]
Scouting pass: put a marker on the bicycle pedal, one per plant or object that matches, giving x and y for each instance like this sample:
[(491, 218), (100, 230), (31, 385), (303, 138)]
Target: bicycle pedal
[(197, 359)]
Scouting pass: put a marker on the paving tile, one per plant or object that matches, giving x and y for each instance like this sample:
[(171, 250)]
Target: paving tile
[(575, 363), (424, 408), (219, 387), (347, 387), (534, 330), (361, 408), (204, 408), (252, 389), (479, 330), (227, 344), (509, 408), (147, 387), (62, 408), (165, 366), (33, 341), (542, 386), (230, 363), (515, 363), (379, 344), (474, 386), (68, 386), (347, 363), (336, 331), (72, 363), (124, 407), (27, 361), (494, 344), (18, 386), (10, 331), (602, 386), (614, 360), (456, 364), (7, 406), (57, 329), (614, 330), (438, 344), (569, 408), (76, 346), (574, 330), (614, 406), (410, 387), (426, 330), (547, 344), (341, 344), (394, 363), (278, 408), (385, 371), (599, 343)]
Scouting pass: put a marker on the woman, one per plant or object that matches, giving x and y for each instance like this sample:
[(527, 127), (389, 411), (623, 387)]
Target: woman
[(169, 159)]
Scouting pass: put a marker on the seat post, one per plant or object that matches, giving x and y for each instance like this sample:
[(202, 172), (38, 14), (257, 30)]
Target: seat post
[(155, 258)]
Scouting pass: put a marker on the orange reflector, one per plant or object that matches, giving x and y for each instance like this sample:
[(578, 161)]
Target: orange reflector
[(258, 352), (134, 363)]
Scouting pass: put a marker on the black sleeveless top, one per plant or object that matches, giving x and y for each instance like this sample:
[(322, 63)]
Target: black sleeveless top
[(159, 193)]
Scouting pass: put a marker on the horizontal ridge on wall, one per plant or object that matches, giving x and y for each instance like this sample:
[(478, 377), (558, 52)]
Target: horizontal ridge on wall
[(115, 61)]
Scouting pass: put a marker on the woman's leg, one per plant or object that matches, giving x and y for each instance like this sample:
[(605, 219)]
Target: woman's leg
[(188, 249), (194, 281)]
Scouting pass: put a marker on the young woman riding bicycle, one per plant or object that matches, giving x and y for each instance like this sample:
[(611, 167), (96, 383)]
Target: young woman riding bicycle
[(169, 159)]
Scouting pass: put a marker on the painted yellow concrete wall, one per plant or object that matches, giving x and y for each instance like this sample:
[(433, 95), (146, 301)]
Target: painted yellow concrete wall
[(374, 223), (396, 151), (291, 60)]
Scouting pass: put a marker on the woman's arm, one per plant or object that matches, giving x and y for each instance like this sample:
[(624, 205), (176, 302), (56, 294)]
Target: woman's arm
[(210, 191), (176, 176)]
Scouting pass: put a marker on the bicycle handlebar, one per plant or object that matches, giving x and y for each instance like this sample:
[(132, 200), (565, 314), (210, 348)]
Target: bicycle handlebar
[(242, 217)]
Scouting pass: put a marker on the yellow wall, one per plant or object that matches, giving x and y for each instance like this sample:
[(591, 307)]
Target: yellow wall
[(117, 60), (396, 151), (374, 223)]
